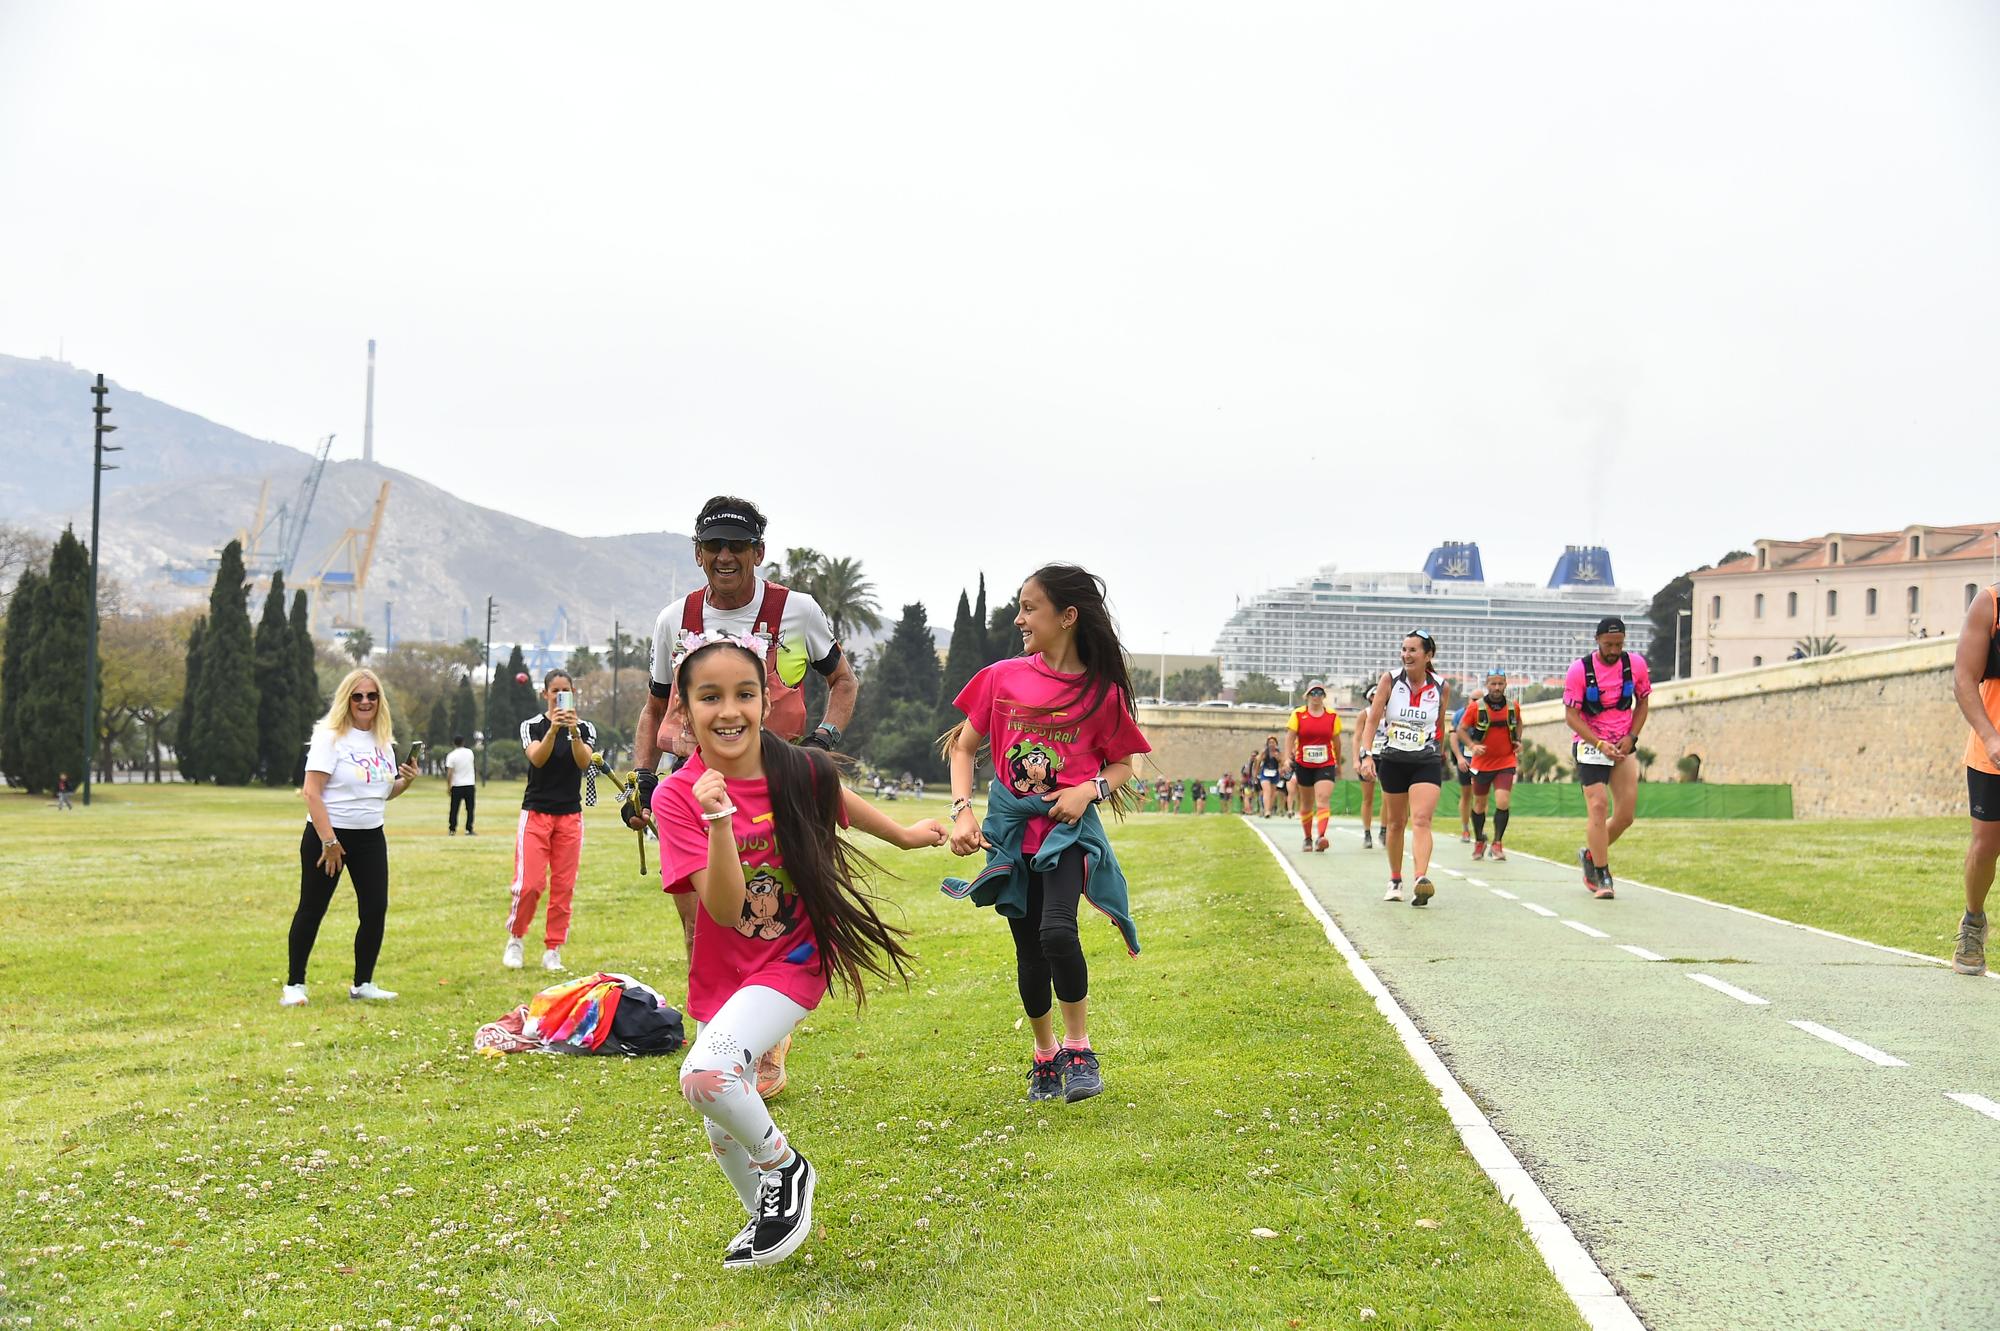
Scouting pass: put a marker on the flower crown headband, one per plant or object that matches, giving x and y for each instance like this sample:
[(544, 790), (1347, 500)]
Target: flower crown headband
[(691, 643)]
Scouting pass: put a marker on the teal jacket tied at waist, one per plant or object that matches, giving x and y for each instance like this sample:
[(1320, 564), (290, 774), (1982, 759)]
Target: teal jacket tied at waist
[(1003, 883)]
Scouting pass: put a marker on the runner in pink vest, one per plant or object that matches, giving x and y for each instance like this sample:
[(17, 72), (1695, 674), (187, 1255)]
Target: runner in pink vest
[(729, 547)]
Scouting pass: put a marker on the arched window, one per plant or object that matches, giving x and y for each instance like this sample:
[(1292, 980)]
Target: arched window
[(1871, 600), (1759, 607), (1756, 660), (1832, 602), (1971, 590), (1715, 607), (1792, 605), (1914, 600)]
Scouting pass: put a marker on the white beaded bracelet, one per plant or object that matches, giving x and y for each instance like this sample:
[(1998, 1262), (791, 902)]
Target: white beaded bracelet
[(718, 815)]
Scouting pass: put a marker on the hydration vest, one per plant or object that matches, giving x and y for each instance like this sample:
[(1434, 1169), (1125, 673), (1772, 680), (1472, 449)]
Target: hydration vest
[(1993, 643), (1593, 697), (787, 718), (1485, 721)]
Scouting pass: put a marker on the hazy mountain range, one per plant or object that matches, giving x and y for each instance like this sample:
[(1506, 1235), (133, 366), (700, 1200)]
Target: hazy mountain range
[(186, 485)]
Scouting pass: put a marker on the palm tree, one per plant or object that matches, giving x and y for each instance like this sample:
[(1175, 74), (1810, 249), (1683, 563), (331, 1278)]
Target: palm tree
[(846, 595), (800, 569), (1807, 647), (359, 644)]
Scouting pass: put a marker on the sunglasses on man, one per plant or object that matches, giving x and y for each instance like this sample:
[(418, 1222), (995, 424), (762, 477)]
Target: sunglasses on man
[(716, 545)]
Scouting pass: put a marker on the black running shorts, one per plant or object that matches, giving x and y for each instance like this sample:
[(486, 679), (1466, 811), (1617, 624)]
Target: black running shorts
[(1310, 776), (1396, 776), (1593, 774), (1983, 794), (1465, 774)]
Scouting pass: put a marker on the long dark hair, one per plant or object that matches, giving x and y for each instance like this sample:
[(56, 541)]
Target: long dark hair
[(1105, 677), (825, 870)]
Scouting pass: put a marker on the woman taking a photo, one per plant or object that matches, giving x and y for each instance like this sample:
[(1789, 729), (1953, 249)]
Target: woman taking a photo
[(351, 774)]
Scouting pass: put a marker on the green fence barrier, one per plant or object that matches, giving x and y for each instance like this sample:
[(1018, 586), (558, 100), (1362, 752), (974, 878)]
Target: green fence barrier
[(1564, 799)]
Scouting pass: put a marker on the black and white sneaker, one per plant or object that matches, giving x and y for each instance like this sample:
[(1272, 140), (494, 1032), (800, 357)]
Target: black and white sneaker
[(737, 1254), (1080, 1076), (1367, 839), (784, 1211)]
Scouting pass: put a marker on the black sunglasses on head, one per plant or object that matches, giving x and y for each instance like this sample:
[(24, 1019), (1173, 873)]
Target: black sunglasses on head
[(1428, 640), (716, 545)]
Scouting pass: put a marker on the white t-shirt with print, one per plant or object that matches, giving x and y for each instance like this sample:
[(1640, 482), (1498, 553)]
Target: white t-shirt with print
[(805, 635), (359, 774), (458, 766)]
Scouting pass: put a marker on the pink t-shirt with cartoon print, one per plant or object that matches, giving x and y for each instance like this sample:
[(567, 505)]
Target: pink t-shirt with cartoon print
[(772, 943), (1038, 746)]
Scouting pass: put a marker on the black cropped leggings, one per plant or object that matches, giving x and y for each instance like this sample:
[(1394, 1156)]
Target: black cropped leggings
[(366, 865), (1047, 952)]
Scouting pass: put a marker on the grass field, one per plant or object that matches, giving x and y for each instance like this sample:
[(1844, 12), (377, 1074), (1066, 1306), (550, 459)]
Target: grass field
[(179, 1151), (1898, 881)]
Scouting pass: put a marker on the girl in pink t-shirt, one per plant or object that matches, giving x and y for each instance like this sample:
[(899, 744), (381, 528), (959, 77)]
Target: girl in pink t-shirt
[(1060, 724), (751, 825)]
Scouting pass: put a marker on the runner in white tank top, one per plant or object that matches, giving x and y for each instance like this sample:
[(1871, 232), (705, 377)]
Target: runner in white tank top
[(1407, 720)]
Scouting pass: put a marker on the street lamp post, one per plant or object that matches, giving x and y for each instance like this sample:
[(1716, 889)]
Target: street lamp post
[(97, 470), (1679, 615), (1163, 669), (486, 740)]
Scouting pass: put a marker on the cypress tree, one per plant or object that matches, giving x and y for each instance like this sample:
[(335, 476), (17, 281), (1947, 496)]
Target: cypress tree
[(902, 697), (276, 662), (437, 732), (513, 701), (464, 710), (51, 716), (225, 704), (187, 743), (21, 615), (307, 703), (962, 661), (1003, 640)]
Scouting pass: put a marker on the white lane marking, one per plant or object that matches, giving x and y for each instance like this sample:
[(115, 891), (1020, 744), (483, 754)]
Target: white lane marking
[(1477, 882), (1503, 894), (1453, 872), (1851, 1045), (1640, 952), (1723, 987), (1568, 1260), (1978, 1104), (1585, 929), (1543, 911), (1760, 915)]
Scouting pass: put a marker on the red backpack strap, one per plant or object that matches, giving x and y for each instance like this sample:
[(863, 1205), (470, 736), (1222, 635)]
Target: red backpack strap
[(771, 610), (691, 621)]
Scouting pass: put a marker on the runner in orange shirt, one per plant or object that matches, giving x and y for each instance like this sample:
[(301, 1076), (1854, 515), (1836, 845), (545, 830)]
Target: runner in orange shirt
[(1315, 761), (1976, 685), (1490, 731)]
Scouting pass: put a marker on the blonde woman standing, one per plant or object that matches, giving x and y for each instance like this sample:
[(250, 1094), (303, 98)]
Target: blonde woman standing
[(351, 774)]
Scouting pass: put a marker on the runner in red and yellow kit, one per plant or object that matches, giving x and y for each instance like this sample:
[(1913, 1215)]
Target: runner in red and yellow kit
[(1315, 762), (1490, 731)]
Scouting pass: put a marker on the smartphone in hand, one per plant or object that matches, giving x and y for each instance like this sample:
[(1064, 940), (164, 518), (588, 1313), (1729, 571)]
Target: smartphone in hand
[(416, 753), (565, 700)]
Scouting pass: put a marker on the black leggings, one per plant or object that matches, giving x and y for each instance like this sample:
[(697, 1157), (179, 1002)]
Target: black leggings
[(1046, 949), (366, 863)]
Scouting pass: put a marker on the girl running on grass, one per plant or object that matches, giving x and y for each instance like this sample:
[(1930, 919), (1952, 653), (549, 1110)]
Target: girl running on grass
[(751, 825), (1061, 726)]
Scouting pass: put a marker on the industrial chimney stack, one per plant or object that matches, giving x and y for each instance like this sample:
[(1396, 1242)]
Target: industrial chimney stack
[(368, 426)]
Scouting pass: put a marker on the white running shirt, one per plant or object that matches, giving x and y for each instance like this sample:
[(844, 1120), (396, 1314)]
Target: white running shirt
[(1411, 717)]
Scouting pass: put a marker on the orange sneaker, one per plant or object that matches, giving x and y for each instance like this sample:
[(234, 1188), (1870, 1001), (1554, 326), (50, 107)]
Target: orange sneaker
[(771, 1070)]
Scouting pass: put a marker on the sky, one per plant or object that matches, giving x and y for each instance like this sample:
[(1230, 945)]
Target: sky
[(1203, 297)]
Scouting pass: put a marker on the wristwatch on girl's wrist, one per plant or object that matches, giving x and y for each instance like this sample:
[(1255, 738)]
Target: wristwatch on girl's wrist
[(1103, 789), (959, 806)]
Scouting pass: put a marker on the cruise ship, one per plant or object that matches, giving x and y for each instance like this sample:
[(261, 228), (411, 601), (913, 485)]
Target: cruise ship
[(1346, 627)]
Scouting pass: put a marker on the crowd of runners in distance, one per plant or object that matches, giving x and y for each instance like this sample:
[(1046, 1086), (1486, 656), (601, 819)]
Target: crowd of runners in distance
[(1410, 735)]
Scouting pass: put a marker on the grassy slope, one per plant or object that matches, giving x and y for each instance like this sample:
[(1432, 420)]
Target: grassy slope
[(178, 1144), (1891, 880)]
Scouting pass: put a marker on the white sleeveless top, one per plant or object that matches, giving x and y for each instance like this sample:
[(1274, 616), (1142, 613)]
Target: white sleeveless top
[(1411, 717)]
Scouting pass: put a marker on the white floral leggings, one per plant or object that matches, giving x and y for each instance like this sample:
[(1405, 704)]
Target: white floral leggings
[(719, 1079)]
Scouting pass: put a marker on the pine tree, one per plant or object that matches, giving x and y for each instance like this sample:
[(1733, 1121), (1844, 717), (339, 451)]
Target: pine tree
[(437, 734), (187, 739), (22, 612), (307, 703), (464, 710), (51, 716), (276, 662), (225, 704), (901, 698), (962, 661)]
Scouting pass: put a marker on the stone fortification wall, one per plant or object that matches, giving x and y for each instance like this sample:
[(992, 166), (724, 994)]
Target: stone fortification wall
[(1857, 734), (1205, 742)]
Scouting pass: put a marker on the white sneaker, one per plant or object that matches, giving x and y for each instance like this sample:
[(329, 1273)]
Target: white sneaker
[(1395, 892), (292, 995), (552, 960), (369, 990), (511, 958)]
